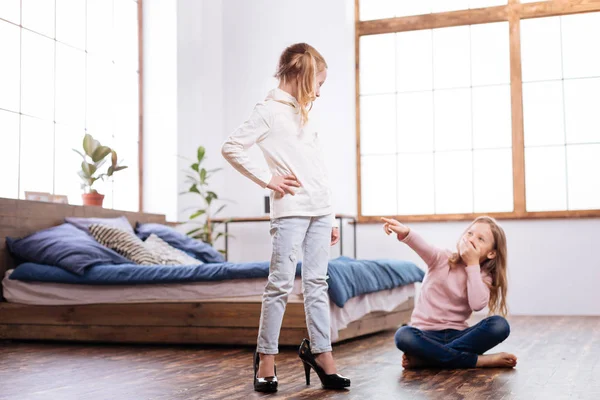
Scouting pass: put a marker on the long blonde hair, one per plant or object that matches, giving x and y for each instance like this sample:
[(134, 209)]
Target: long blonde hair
[(496, 266), (301, 62)]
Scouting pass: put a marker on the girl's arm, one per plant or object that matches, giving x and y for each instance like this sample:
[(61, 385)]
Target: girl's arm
[(478, 287), (235, 149), (428, 253)]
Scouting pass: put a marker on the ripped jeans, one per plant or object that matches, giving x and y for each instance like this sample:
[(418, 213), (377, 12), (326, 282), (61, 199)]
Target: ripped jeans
[(312, 235)]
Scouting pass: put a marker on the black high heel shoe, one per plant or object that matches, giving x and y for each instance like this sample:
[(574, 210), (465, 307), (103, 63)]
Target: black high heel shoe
[(267, 384), (331, 381)]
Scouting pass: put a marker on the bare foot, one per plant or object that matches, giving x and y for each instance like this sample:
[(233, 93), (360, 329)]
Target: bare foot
[(498, 360), (325, 361), (409, 362), (266, 367)]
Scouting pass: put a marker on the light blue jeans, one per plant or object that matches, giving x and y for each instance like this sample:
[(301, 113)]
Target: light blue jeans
[(290, 235)]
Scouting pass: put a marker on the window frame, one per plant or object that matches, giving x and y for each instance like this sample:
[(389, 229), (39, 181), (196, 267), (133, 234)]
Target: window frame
[(140, 70), (513, 13)]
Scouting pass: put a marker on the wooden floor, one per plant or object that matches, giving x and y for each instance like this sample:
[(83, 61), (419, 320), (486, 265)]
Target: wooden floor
[(559, 358)]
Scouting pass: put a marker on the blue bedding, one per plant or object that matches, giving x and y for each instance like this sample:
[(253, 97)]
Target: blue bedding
[(347, 277)]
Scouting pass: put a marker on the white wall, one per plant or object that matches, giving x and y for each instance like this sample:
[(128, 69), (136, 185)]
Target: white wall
[(553, 266)]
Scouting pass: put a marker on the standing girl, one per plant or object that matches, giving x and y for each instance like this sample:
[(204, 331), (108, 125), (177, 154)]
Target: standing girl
[(301, 211), (457, 284)]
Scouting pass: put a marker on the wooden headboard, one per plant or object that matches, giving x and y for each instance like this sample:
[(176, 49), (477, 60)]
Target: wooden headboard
[(20, 218)]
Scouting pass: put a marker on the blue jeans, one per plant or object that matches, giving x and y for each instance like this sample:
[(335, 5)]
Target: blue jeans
[(451, 348), (292, 235)]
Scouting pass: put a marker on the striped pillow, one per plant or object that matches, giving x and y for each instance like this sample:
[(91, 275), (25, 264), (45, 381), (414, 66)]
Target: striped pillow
[(168, 254), (125, 243)]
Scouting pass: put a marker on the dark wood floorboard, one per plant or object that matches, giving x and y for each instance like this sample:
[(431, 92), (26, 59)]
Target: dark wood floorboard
[(559, 358)]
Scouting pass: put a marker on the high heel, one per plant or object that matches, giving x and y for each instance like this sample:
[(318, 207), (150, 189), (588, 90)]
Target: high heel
[(267, 384), (328, 381)]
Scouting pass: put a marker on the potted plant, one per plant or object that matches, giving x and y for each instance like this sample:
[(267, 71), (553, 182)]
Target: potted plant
[(197, 177), (94, 157)]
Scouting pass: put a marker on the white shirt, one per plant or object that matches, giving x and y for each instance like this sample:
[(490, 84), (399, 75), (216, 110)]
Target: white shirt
[(290, 148)]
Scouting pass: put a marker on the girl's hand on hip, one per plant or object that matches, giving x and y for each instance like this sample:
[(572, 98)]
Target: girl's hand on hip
[(335, 235), (468, 252), (393, 226), (284, 184)]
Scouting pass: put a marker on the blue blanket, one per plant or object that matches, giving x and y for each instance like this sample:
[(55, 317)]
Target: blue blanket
[(347, 277)]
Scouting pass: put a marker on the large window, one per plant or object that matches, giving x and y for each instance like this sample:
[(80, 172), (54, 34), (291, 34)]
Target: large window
[(478, 107), (68, 67)]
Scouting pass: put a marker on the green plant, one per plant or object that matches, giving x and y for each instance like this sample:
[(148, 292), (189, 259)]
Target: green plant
[(197, 176), (94, 157)]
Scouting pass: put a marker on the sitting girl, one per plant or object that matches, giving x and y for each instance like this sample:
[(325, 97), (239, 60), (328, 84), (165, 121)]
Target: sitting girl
[(457, 284)]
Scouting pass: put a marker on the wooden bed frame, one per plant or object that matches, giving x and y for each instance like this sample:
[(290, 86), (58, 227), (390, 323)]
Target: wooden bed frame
[(218, 321)]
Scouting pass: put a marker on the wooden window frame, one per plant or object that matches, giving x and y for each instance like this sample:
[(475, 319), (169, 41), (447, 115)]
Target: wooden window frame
[(513, 12)]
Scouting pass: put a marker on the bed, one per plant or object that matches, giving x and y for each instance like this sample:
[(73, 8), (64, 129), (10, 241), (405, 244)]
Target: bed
[(211, 312)]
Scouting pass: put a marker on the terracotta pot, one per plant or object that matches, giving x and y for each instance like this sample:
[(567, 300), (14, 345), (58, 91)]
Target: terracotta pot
[(92, 199)]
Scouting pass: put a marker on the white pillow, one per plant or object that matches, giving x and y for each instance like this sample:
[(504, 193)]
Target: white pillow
[(167, 254)]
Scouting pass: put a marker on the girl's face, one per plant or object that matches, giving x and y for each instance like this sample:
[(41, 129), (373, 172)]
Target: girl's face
[(321, 77), (481, 237)]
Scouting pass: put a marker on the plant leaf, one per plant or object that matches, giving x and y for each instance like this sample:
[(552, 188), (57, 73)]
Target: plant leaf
[(78, 152), (194, 189), (100, 153), (110, 171), (195, 167), (120, 168), (197, 214), (220, 209), (113, 157), (202, 175), (193, 231), (90, 144), (201, 153)]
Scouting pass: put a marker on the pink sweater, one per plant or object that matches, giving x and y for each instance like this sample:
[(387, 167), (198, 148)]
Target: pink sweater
[(448, 295)]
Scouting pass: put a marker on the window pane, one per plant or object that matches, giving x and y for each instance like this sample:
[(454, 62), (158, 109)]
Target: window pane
[(100, 84), (377, 64), (454, 182), (582, 110), (584, 193), (376, 9), (452, 119), (415, 122), (10, 10), (415, 184), (37, 76), (125, 34), (100, 28), (543, 113), (449, 5), (490, 56), (540, 49), (67, 163), (378, 124), (378, 189), (414, 61), (70, 22), (37, 157), (581, 53), (405, 8), (492, 124), (493, 180), (126, 186), (70, 86), (451, 57), (9, 181), (9, 66), (545, 178), (38, 15), (126, 106)]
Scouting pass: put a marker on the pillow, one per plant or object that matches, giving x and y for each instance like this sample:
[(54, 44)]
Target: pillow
[(63, 246), (197, 248), (84, 223), (168, 254), (124, 243)]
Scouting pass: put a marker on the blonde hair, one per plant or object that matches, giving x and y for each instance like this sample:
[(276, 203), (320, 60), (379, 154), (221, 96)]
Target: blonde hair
[(301, 62), (496, 266)]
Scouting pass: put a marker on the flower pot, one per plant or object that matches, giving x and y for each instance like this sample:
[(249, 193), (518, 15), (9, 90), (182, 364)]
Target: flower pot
[(92, 199)]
